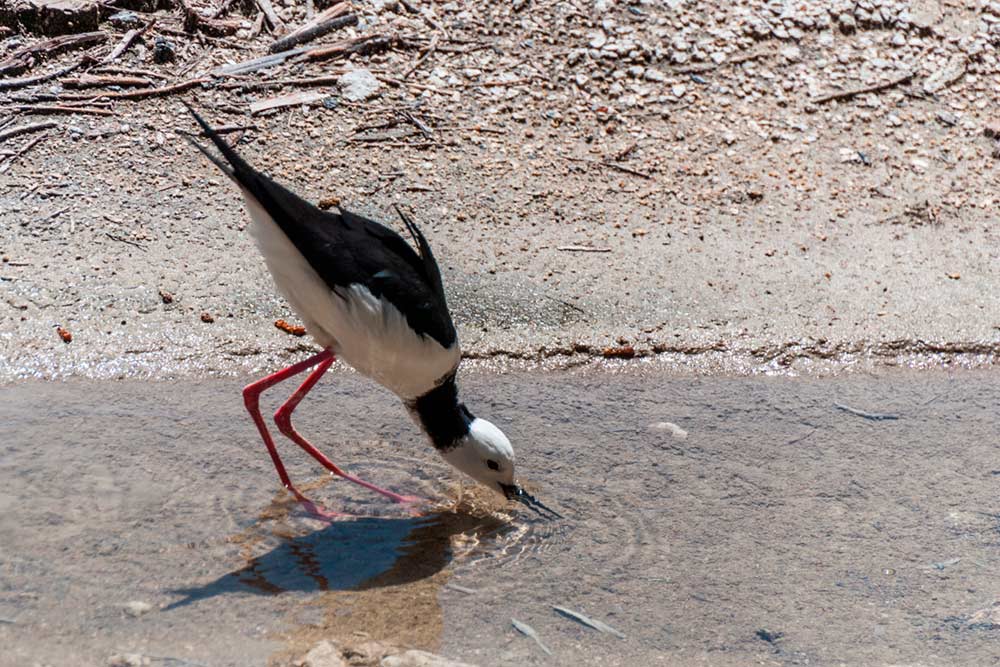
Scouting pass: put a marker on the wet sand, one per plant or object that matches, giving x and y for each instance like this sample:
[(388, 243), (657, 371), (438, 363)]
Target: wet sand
[(779, 530)]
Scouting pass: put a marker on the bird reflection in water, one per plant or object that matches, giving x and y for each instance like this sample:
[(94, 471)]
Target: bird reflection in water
[(358, 555)]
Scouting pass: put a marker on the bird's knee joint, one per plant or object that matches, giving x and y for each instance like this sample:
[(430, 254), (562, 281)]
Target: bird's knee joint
[(283, 418)]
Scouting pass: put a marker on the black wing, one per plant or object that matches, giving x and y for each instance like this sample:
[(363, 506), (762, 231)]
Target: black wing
[(345, 249)]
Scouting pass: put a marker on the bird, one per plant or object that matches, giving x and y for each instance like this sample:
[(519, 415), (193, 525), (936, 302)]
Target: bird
[(367, 297)]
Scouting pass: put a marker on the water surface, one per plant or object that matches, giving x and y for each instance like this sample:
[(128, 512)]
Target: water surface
[(709, 520)]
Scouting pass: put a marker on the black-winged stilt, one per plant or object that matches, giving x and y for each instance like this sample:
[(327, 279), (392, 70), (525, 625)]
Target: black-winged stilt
[(368, 298)]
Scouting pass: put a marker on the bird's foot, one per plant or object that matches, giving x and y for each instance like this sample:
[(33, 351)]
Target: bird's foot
[(314, 510)]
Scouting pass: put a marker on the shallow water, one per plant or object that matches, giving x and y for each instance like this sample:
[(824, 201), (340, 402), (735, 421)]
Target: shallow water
[(714, 520)]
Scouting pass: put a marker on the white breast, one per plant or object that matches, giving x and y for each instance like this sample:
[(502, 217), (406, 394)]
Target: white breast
[(366, 331)]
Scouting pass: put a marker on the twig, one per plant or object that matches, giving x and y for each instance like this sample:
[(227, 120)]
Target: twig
[(384, 136), (301, 97), (54, 214), (39, 108), (129, 71), (423, 14), (363, 45), (854, 92), (247, 86), (121, 240), (611, 165), (127, 41), (874, 416), (26, 129), (314, 32), (154, 92), (431, 48), (13, 158), (420, 125), (10, 84), (627, 170), (277, 25), (226, 129), (258, 25), (582, 248), (21, 60), (255, 64), (327, 21), (98, 81)]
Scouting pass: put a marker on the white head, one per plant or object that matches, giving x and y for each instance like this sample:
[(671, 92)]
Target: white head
[(484, 454)]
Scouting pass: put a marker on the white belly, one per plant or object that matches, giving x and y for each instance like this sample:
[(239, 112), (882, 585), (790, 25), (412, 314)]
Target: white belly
[(367, 332)]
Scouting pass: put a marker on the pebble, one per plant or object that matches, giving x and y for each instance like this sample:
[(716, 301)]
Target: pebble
[(678, 90), (792, 54), (359, 85), (323, 654), (137, 608), (671, 428), (128, 660)]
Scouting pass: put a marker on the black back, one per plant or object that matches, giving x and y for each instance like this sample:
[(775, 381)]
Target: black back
[(345, 248)]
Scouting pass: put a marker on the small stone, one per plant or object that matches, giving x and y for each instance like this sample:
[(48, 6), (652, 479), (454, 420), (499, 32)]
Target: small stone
[(324, 654), (919, 165), (729, 138), (128, 660), (656, 75), (899, 39), (359, 85), (124, 19), (137, 608), (581, 80), (792, 54), (671, 428), (598, 40), (847, 23), (163, 51), (415, 658), (893, 120), (947, 118), (678, 90), (207, 318)]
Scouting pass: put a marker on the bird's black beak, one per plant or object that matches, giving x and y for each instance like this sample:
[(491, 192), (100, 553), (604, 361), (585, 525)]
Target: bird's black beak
[(515, 492)]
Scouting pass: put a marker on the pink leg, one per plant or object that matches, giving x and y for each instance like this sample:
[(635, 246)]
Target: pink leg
[(283, 418), (251, 398)]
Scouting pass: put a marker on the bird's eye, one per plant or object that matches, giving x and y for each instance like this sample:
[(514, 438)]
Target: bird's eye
[(493, 465)]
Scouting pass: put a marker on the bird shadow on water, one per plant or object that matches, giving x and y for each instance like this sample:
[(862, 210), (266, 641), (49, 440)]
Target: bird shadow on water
[(354, 555)]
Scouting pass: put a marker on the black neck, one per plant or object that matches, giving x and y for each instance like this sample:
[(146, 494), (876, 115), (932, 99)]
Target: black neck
[(445, 420)]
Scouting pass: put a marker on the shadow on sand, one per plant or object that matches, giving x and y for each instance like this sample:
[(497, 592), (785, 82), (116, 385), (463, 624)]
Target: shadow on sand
[(352, 555)]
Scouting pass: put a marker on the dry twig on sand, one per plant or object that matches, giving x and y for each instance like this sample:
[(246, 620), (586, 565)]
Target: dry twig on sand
[(323, 23), (854, 92)]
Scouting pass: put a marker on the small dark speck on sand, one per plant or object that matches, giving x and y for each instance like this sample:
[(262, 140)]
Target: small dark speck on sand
[(768, 636), (873, 416)]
